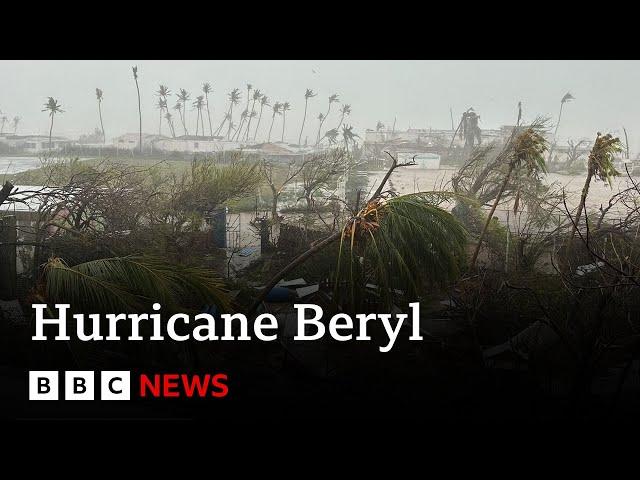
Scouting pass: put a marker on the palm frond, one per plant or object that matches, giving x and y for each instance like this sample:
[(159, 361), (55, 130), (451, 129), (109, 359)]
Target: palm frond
[(128, 284), (401, 243)]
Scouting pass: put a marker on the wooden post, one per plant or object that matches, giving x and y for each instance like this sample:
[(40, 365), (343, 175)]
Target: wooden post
[(8, 238)]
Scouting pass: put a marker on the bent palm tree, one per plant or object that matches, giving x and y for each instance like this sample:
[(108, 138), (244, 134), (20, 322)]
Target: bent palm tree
[(53, 107), (344, 111), (286, 106), (600, 165), (523, 150), (307, 95), (348, 136), (276, 111), (243, 119), (257, 94), (321, 118), (183, 97), (161, 106), (264, 102), (199, 105), (386, 240), (332, 99), (206, 88), (99, 96), (234, 99), (169, 118), (178, 107), (332, 136)]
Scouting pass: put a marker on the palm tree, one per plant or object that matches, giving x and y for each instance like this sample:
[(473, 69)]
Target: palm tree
[(348, 136), (406, 240), (332, 99), (243, 118), (308, 94), (53, 107), (162, 106), (249, 88), (252, 115), (206, 88), (285, 108), (129, 283), (16, 120), (234, 99), (321, 118), (169, 118), (276, 111), (199, 105), (523, 150), (345, 110), (600, 165), (184, 96), (227, 118), (332, 136), (4, 119), (379, 126), (135, 77), (264, 102), (99, 96), (178, 107), (257, 94), (567, 98), (163, 94)]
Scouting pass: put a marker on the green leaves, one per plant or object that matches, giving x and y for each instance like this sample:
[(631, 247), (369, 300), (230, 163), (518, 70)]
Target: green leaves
[(602, 156), (129, 284), (403, 243)]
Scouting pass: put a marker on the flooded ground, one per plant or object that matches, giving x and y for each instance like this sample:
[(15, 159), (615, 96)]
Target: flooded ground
[(11, 165)]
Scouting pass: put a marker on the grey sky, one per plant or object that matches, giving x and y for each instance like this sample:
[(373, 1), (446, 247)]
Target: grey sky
[(419, 93)]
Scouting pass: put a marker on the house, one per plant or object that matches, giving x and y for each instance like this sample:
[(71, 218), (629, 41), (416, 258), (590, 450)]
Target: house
[(196, 144), (34, 143), (131, 141)]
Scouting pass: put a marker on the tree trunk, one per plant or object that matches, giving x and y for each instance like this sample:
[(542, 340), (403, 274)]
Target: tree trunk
[(230, 121), (304, 118), (273, 118), (489, 217), (139, 114), (5, 191), (209, 116), (104, 138), (274, 205), (297, 261), (255, 134), (583, 199), (284, 119), (50, 131)]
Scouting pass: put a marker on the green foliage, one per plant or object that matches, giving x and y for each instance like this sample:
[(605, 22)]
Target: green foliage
[(602, 156), (130, 284), (402, 243)]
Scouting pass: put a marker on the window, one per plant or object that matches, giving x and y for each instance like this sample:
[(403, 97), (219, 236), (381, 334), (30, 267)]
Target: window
[(29, 145), (195, 145)]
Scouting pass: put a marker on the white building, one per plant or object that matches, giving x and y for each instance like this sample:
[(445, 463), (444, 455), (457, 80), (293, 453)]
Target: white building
[(34, 143), (131, 141)]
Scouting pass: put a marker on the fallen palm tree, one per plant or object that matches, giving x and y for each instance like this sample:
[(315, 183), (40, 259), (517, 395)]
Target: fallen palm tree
[(408, 237)]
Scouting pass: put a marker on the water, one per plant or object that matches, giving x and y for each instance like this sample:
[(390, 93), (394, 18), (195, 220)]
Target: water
[(11, 165)]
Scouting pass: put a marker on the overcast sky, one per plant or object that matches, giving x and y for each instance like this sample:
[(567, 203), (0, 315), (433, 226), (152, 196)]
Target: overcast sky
[(419, 93)]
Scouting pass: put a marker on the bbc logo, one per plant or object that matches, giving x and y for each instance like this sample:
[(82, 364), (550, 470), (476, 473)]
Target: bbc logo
[(79, 385)]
